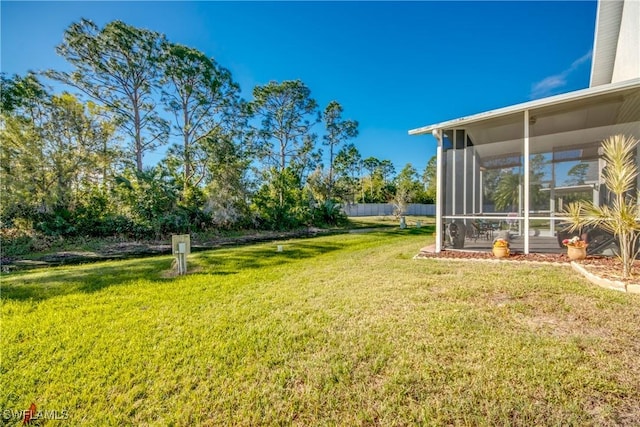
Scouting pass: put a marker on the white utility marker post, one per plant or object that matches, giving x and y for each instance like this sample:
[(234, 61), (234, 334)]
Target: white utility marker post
[(181, 246), (403, 223)]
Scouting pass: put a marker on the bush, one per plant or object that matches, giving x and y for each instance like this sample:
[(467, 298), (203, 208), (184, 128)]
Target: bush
[(328, 214), (16, 241), (58, 223), (114, 225)]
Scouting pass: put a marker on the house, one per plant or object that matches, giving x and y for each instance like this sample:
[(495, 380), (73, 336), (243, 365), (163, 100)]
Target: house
[(515, 168)]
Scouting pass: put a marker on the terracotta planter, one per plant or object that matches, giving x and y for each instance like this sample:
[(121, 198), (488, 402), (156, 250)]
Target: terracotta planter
[(576, 254), (500, 252)]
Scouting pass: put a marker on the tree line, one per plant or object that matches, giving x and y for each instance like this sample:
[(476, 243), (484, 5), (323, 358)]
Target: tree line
[(73, 163)]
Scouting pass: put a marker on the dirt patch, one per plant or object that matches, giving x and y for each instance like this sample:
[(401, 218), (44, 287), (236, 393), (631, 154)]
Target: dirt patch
[(172, 272), (545, 322), (501, 299)]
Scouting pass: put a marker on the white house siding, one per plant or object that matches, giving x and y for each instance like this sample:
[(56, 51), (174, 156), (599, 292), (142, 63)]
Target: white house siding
[(627, 63), (605, 41)]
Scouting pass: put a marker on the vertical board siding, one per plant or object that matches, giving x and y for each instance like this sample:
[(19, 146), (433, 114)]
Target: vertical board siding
[(386, 209)]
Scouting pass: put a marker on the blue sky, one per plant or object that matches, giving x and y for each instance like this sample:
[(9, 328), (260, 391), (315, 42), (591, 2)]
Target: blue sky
[(393, 66)]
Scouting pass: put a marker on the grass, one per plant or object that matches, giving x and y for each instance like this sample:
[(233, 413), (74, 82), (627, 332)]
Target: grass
[(387, 221), (336, 330)]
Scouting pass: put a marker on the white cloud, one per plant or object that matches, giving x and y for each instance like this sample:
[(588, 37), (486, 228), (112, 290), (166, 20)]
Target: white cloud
[(584, 58), (548, 85)]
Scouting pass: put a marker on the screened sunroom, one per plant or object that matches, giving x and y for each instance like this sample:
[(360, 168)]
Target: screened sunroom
[(514, 170)]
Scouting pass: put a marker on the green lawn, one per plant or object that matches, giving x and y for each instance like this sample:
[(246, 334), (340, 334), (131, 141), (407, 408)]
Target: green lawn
[(336, 330)]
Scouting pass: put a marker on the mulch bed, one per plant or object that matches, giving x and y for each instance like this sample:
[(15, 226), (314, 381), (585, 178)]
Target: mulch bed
[(608, 267)]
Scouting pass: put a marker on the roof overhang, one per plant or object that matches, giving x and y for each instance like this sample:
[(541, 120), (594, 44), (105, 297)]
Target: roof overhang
[(605, 43), (578, 95)]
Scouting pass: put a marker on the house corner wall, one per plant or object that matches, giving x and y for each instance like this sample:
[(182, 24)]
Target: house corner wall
[(627, 62), (605, 41)]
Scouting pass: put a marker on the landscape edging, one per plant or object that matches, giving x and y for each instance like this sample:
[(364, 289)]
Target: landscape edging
[(616, 285), (596, 280)]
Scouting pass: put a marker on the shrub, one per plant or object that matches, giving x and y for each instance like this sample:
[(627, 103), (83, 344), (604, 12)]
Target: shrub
[(620, 216), (328, 213)]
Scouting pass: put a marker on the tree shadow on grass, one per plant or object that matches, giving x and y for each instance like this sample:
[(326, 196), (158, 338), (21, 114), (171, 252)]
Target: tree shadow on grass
[(42, 284), (39, 285), (264, 256)]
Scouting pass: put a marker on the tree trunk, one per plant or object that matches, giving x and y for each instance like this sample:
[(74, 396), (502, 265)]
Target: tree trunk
[(330, 190), (283, 160), (138, 136), (625, 244), (187, 156)]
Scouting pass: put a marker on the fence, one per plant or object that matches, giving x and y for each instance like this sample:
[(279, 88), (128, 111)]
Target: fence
[(385, 209)]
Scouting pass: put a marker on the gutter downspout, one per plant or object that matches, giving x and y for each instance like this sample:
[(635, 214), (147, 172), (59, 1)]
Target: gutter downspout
[(526, 181), (439, 182)]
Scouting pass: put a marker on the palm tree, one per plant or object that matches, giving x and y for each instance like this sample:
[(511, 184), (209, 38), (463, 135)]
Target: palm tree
[(507, 192), (620, 216)]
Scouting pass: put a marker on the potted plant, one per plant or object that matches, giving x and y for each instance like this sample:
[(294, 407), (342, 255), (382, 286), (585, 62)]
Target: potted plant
[(576, 248), (501, 248)]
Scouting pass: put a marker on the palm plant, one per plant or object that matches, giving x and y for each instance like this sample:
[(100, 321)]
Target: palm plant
[(507, 193), (620, 216)]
